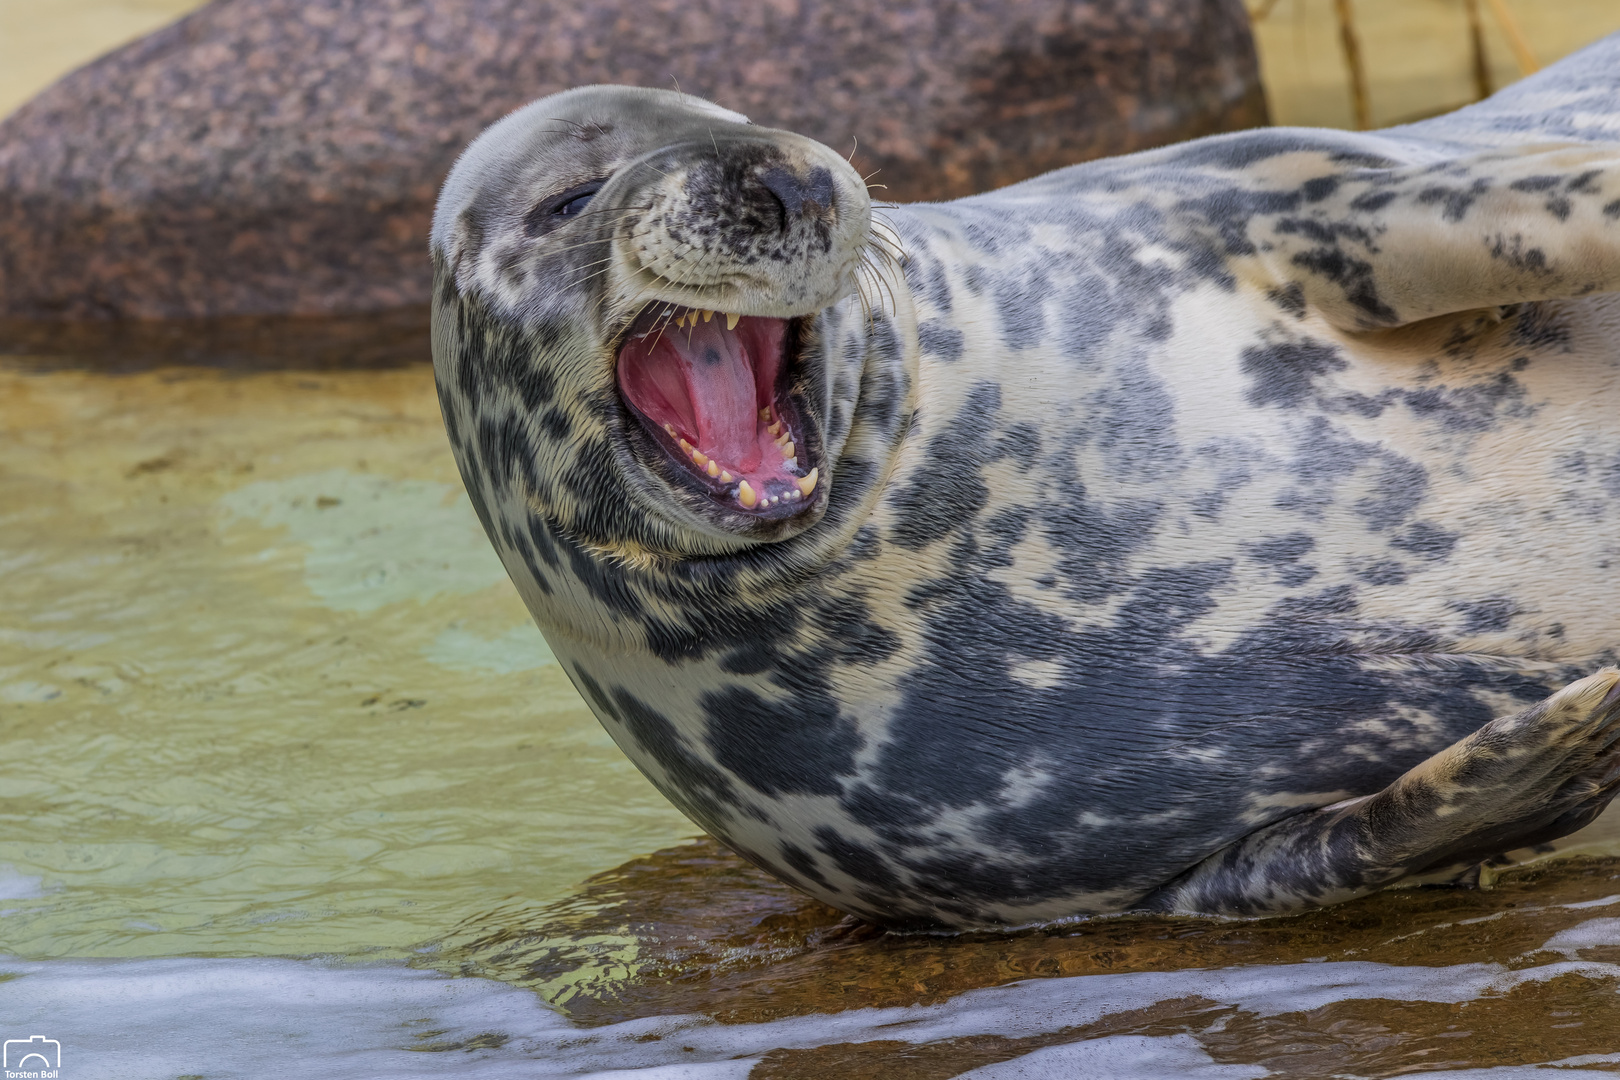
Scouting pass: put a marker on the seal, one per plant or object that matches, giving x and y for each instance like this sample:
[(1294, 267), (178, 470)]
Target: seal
[(1223, 528)]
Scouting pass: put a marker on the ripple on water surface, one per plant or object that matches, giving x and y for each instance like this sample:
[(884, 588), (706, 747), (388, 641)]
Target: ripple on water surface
[(288, 766)]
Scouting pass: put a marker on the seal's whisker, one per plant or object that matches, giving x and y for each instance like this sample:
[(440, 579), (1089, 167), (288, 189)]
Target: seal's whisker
[(881, 247), (883, 283), (882, 298), (594, 262), (588, 278), (887, 240), (889, 257), (860, 290), (588, 271), (588, 211), (578, 128)]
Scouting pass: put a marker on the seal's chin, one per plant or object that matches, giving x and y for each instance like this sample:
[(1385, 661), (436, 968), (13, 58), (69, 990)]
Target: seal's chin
[(712, 389)]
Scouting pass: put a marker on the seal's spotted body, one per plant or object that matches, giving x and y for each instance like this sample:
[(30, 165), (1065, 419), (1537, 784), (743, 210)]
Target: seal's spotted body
[(1159, 501)]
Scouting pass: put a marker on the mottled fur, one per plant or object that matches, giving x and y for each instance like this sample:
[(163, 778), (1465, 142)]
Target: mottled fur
[(1169, 501)]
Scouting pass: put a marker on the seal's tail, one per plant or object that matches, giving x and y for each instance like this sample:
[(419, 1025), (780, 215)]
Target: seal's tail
[(1520, 780)]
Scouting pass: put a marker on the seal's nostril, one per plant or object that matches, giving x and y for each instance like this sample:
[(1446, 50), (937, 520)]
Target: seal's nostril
[(820, 188), (795, 194), (785, 186)]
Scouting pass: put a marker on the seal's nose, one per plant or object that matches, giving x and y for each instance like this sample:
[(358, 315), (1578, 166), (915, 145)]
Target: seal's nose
[(799, 196)]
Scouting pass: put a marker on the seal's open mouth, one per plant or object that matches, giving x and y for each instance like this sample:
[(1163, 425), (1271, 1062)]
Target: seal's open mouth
[(713, 390)]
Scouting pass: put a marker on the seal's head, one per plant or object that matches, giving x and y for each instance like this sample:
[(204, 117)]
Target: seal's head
[(654, 264)]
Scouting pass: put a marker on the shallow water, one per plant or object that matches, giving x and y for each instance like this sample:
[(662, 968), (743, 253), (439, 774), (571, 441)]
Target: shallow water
[(288, 772)]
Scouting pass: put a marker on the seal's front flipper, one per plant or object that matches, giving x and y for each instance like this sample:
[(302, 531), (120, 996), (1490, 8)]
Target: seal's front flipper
[(1373, 248), (1522, 779)]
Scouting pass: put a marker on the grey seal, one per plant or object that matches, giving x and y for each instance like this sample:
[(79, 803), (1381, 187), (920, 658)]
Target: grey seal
[(1223, 528)]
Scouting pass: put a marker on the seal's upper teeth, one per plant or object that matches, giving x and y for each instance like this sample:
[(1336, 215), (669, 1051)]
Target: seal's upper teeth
[(746, 496), (700, 457), (807, 483), (707, 314), (787, 449), (765, 414), (725, 477), (671, 429), (775, 429), (731, 320), (714, 470)]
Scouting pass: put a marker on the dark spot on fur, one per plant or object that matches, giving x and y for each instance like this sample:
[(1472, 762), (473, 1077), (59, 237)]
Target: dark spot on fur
[(950, 491), (1536, 183), (1383, 572), (805, 863), (1455, 201), (940, 340), (694, 785), (1373, 201), (1278, 550), (798, 745), (1282, 373), (856, 860), (1400, 486), (1486, 616), (1354, 276), (1319, 188), (1425, 540), (1290, 297)]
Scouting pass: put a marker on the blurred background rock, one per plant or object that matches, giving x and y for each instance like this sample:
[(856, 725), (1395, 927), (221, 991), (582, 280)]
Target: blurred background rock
[(179, 176), (282, 156)]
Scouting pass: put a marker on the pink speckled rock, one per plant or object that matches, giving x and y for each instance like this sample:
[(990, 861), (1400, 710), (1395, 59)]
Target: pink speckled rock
[(282, 156)]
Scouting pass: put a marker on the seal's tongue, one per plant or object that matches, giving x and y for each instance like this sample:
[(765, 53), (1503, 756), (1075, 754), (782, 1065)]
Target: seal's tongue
[(706, 381), (719, 382)]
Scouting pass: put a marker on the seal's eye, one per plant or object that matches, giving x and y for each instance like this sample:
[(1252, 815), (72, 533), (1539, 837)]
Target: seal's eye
[(557, 209), (574, 205)]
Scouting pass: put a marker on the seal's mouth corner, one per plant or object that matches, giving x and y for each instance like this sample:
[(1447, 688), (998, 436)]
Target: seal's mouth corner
[(713, 390)]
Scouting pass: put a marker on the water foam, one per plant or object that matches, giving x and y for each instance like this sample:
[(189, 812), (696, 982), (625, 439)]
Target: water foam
[(139, 1019)]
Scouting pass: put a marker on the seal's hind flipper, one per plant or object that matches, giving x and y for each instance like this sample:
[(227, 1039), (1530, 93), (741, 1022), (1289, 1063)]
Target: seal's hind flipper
[(1373, 248), (1522, 779)]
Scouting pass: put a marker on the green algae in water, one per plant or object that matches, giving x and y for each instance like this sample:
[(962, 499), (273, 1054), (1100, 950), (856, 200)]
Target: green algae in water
[(264, 686)]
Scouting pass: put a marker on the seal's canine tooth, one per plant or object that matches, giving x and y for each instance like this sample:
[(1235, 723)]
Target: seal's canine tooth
[(1211, 528)]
